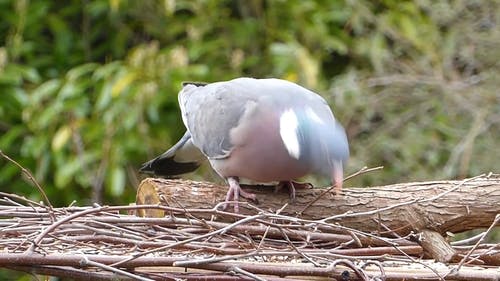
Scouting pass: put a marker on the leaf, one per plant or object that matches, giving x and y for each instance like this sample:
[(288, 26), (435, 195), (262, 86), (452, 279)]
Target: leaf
[(34, 146), (60, 138), (48, 116), (114, 5), (12, 101), (338, 45), (309, 67), (409, 29), (291, 76), (117, 181), (45, 90), (104, 97), (10, 76), (107, 70), (68, 90), (68, 168), (122, 83), (12, 135), (14, 74), (64, 174), (29, 73), (81, 70)]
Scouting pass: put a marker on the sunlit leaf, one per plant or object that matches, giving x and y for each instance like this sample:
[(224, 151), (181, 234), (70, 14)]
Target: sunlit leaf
[(60, 138), (291, 76), (122, 83), (409, 29), (115, 5)]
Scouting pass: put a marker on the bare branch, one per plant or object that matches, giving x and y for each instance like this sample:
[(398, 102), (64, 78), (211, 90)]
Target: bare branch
[(205, 243), (32, 179)]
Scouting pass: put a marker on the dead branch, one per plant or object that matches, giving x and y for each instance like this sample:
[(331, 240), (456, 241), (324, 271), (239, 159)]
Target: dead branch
[(31, 178), (282, 269), (206, 243)]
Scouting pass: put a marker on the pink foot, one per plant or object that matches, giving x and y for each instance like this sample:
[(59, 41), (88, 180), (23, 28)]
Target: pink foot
[(234, 192)]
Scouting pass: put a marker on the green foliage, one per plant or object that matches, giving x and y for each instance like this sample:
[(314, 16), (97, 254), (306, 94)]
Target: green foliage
[(88, 89)]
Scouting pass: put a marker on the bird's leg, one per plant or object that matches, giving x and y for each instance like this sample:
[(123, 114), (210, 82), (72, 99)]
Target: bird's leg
[(337, 176), (292, 186), (233, 186), (234, 192)]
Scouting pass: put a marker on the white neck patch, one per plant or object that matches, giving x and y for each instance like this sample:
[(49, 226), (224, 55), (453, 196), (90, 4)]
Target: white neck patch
[(289, 125)]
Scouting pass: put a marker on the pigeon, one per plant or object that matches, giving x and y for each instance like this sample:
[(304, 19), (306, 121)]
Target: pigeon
[(263, 130)]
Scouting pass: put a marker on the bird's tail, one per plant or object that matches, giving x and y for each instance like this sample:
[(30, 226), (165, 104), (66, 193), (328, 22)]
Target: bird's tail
[(181, 158)]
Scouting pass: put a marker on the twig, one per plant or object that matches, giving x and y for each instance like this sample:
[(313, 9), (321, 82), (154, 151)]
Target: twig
[(452, 189), (189, 263), (58, 223), (86, 262), (67, 272), (33, 180), (372, 212), (469, 240), (410, 202), (363, 170), (464, 259), (359, 271), (380, 267), (219, 231), (238, 270), (297, 249)]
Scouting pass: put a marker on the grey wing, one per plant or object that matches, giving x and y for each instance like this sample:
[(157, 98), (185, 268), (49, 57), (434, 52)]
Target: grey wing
[(210, 113)]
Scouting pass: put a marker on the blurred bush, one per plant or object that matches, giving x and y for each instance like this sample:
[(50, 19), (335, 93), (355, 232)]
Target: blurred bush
[(88, 89)]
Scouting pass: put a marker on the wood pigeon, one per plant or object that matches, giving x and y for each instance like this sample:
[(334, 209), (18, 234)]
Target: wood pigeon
[(263, 130)]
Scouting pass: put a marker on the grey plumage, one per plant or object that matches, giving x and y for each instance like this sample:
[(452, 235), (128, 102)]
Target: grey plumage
[(259, 129)]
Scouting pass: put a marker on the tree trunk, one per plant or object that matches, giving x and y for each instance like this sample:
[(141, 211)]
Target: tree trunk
[(440, 206)]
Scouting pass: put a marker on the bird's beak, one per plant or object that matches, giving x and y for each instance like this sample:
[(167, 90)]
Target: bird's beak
[(337, 175)]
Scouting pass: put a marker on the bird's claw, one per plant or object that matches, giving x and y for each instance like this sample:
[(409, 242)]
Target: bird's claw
[(234, 193), (292, 186)]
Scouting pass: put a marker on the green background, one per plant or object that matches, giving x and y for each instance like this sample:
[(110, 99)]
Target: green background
[(88, 89)]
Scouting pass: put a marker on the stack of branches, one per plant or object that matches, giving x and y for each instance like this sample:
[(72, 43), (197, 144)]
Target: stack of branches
[(173, 238)]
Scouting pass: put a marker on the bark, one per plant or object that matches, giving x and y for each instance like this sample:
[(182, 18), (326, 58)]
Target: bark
[(440, 206), (436, 246)]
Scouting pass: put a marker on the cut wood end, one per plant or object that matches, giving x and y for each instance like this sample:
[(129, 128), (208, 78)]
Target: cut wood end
[(147, 195)]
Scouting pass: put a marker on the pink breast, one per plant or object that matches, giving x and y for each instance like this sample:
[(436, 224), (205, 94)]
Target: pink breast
[(259, 153)]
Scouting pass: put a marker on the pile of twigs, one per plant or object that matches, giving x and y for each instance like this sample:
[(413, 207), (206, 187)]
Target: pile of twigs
[(110, 242)]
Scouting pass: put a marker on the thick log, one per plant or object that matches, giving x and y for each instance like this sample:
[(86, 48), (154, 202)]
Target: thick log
[(440, 206)]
